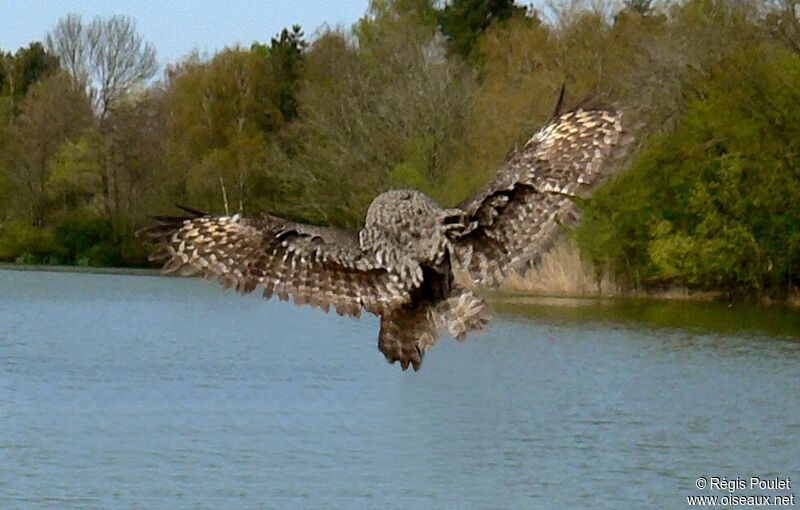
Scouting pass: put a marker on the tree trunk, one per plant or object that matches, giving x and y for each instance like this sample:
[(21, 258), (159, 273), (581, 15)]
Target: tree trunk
[(224, 194)]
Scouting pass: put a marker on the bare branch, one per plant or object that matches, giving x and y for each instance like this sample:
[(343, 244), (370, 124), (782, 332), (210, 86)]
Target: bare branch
[(107, 56)]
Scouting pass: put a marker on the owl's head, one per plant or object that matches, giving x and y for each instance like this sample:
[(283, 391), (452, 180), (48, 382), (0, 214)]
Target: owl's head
[(402, 207)]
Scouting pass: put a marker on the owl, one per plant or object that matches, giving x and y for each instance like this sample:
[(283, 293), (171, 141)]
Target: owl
[(400, 265)]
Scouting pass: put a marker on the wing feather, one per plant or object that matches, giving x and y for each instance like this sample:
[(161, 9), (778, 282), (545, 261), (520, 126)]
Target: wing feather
[(517, 216), (319, 266)]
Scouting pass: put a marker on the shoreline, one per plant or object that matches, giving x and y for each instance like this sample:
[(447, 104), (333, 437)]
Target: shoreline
[(509, 295), (128, 271)]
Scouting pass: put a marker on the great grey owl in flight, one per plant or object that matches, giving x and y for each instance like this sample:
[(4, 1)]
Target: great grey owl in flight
[(400, 265)]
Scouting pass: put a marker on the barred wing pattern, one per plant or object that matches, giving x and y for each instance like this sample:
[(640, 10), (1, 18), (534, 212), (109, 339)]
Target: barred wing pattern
[(518, 215), (318, 266), (399, 265)]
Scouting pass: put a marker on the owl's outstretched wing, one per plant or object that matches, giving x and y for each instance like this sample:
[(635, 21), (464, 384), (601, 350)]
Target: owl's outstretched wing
[(318, 266), (518, 215)]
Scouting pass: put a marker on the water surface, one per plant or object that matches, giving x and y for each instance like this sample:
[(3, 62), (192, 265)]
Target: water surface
[(144, 392)]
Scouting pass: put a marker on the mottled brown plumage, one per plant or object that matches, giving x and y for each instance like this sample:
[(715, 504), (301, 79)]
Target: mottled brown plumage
[(400, 265), (519, 214)]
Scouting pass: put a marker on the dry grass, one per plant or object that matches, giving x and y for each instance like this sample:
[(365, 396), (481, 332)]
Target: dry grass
[(561, 272)]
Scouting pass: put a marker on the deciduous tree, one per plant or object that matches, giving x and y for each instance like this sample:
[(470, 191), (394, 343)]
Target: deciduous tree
[(55, 110)]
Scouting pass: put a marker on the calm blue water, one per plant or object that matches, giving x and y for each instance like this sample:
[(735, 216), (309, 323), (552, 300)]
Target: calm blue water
[(143, 392)]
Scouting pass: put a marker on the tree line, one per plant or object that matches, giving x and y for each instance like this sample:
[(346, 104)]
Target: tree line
[(422, 94)]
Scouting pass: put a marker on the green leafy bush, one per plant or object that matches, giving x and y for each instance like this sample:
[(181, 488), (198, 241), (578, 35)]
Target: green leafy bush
[(716, 204), (79, 235), (21, 241), (105, 254)]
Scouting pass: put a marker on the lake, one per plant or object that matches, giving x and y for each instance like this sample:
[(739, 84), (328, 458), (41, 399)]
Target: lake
[(146, 392)]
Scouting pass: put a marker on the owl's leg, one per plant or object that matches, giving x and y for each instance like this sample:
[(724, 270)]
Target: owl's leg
[(463, 311), (407, 334)]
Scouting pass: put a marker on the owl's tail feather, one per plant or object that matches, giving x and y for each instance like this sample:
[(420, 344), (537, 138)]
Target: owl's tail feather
[(405, 337), (407, 334)]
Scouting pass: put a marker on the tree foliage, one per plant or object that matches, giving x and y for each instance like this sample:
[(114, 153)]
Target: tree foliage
[(285, 55), (424, 94), (464, 21), (22, 69), (390, 111), (53, 112), (714, 204)]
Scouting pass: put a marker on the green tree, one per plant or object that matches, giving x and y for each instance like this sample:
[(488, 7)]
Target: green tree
[(111, 61), (55, 110), (137, 133), (21, 70), (516, 93), (463, 21), (383, 14), (388, 111), (73, 175), (222, 112), (285, 56), (714, 205)]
